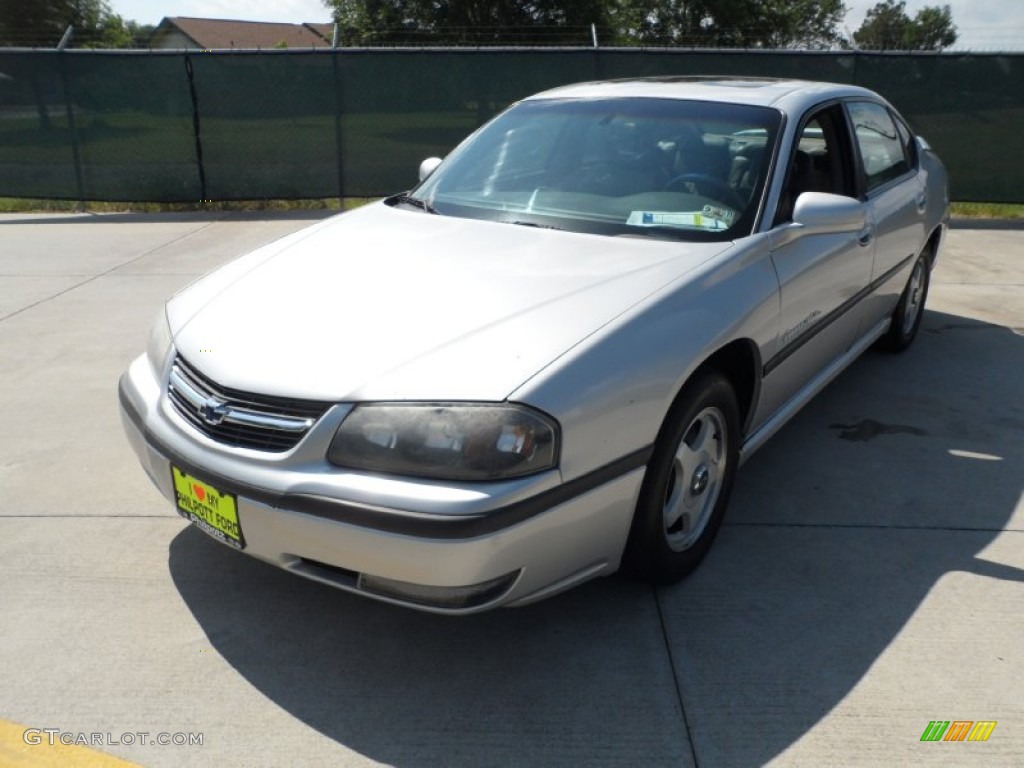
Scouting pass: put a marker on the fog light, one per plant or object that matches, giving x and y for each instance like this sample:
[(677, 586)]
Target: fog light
[(469, 596)]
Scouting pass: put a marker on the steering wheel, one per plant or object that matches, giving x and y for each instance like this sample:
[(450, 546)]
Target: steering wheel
[(719, 190)]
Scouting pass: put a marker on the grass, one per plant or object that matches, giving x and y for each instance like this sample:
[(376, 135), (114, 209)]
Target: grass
[(27, 205), (987, 210)]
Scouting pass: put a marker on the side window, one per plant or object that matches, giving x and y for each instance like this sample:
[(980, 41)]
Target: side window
[(820, 161), (907, 139), (882, 149)]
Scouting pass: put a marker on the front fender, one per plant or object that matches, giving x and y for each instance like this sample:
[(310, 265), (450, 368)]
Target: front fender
[(612, 392)]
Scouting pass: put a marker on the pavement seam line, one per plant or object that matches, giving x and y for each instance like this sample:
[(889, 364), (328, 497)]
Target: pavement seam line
[(675, 677), (870, 526), (88, 517), (112, 269)]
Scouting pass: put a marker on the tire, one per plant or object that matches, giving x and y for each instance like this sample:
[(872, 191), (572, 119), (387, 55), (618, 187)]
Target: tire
[(906, 318), (687, 484)]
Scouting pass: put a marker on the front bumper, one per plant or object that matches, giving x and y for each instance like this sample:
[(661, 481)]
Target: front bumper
[(421, 544)]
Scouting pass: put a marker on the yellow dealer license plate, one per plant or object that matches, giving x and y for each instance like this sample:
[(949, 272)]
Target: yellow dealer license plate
[(214, 511)]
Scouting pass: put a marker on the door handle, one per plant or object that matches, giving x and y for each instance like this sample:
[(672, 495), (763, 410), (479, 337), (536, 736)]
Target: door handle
[(922, 203), (866, 236)]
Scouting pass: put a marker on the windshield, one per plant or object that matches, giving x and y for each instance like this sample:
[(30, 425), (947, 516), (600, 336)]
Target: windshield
[(659, 167)]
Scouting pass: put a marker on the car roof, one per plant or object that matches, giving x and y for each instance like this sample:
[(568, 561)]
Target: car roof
[(788, 95)]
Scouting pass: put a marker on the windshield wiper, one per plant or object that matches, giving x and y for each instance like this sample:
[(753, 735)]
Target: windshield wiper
[(534, 224), (415, 202)]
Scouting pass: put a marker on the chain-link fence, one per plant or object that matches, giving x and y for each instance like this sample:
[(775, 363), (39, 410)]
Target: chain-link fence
[(185, 126)]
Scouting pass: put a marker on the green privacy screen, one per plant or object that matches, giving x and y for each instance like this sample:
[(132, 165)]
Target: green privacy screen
[(96, 127), (189, 126)]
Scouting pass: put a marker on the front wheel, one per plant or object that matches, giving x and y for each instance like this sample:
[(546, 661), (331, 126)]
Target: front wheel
[(687, 484), (906, 318)]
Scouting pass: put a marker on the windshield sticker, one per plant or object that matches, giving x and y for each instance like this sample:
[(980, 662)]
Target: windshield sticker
[(722, 214), (693, 220)]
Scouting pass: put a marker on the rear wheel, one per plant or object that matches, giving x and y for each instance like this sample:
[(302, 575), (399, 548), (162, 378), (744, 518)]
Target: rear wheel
[(687, 484), (906, 318)]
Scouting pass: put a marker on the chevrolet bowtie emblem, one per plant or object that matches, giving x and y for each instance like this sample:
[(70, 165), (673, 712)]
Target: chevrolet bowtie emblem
[(214, 410)]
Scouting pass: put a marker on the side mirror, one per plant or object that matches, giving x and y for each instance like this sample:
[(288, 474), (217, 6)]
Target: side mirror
[(823, 212), (427, 166)]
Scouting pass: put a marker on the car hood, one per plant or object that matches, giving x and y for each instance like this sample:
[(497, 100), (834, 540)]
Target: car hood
[(391, 304)]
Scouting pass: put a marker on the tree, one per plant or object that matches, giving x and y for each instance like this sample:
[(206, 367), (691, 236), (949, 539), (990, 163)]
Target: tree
[(800, 23), (932, 29), (141, 33), (888, 27), (41, 23), (723, 23), (452, 22), (735, 23)]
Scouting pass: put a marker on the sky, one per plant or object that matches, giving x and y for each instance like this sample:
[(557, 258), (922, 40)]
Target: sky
[(984, 25)]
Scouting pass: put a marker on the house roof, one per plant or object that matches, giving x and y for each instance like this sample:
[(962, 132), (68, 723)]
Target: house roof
[(226, 33)]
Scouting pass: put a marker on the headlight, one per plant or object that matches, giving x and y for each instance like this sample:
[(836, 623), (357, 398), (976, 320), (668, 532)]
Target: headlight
[(159, 342), (451, 442)]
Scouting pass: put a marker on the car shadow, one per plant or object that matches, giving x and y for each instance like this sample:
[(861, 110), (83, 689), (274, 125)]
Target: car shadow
[(838, 530), (902, 471), (538, 685)]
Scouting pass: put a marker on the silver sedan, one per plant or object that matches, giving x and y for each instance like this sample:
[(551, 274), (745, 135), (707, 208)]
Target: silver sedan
[(548, 360)]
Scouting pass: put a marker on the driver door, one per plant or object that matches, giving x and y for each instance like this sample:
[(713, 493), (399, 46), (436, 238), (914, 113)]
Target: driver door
[(821, 276)]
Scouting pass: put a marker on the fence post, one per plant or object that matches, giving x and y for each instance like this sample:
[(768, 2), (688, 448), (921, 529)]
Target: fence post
[(196, 129), (337, 127), (597, 68), (70, 112)]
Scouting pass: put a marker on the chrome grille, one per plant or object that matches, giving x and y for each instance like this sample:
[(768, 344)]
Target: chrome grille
[(243, 419)]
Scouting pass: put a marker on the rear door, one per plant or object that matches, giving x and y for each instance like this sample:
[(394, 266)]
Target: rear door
[(896, 198)]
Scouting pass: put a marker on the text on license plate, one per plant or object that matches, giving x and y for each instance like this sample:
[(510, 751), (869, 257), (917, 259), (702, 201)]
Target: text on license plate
[(216, 512)]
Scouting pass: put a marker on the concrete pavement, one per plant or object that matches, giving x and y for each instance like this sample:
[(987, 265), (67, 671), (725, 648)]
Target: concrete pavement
[(868, 580)]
